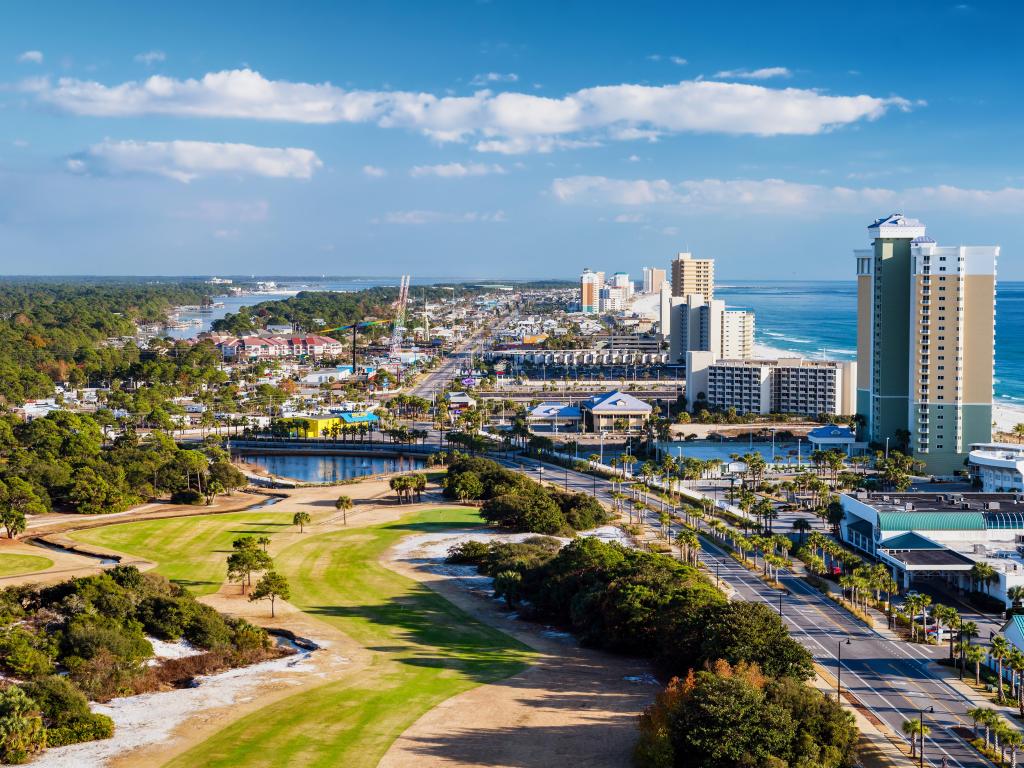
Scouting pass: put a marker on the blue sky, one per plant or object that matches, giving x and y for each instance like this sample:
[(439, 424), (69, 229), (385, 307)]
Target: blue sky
[(502, 139)]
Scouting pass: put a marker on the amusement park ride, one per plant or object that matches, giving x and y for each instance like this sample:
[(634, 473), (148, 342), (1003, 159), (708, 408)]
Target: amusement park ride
[(398, 329)]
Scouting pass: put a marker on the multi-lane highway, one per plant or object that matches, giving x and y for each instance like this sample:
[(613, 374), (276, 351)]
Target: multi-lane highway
[(891, 679)]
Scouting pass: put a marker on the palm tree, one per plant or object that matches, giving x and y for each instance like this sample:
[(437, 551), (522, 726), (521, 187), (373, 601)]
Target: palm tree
[(975, 654), (803, 526), (1018, 432), (1016, 594), (1013, 740), (983, 573), (915, 730), (688, 542), (1015, 661), (343, 504), (948, 616), (999, 649)]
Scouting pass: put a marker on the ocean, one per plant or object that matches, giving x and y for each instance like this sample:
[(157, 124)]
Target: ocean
[(819, 319)]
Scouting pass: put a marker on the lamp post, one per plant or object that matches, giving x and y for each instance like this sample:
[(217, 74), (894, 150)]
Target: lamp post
[(839, 669), (601, 459), (920, 728), (887, 449)]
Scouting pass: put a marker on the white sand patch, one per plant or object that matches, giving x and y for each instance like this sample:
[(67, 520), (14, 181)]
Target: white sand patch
[(179, 650), (1007, 416), (151, 718)]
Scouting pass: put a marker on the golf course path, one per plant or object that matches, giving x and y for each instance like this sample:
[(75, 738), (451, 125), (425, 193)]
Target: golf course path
[(571, 706)]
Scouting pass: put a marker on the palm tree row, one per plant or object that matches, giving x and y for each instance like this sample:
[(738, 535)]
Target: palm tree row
[(408, 485), (999, 734)]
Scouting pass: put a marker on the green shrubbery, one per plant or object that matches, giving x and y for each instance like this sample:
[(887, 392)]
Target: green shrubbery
[(749, 705), (514, 501), (95, 629)]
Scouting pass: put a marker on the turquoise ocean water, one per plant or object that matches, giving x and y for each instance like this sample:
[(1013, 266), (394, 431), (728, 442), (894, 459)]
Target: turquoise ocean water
[(819, 318)]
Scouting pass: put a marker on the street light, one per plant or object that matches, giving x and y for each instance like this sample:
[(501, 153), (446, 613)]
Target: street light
[(920, 727), (601, 459), (839, 670)]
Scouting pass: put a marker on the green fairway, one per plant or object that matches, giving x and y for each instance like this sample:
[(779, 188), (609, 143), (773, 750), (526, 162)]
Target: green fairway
[(425, 649), (16, 565), (189, 550)]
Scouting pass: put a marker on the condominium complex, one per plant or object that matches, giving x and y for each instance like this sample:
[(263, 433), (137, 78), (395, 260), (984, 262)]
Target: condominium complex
[(654, 278), (786, 385), (690, 276), (591, 284), (697, 324), (925, 342)]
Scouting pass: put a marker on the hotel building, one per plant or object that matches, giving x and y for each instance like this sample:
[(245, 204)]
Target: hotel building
[(925, 343), (654, 278), (690, 275), (700, 325), (786, 385), (591, 284)]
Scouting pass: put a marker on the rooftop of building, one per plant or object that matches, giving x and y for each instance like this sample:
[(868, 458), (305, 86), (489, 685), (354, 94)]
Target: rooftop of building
[(895, 220), (916, 503), (779, 362)]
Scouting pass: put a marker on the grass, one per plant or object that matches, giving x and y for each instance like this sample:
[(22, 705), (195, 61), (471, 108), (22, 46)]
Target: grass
[(189, 550), (16, 565), (424, 649)]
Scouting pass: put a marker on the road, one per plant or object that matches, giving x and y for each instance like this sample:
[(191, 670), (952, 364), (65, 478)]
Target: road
[(435, 381), (892, 679)]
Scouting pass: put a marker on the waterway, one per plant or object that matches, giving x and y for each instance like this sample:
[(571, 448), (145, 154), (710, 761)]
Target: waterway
[(331, 469)]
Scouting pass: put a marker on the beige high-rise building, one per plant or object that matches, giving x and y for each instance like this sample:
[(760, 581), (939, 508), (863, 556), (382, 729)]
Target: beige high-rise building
[(653, 279), (690, 275), (925, 343)]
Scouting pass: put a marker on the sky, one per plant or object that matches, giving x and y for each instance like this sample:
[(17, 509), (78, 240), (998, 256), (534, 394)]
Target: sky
[(500, 139)]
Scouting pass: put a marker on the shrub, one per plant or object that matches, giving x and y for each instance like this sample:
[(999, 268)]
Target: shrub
[(166, 617), (188, 496), (87, 635), (208, 629), (90, 728), (467, 553), (25, 654)]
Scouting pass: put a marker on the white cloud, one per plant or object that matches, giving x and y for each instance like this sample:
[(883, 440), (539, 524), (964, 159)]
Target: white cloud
[(150, 57), (188, 160), (765, 73), (374, 172), (674, 59), (20, 143), (630, 218), (507, 122), (440, 217), (31, 57), (456, 170), (494, 77), (777, 195)]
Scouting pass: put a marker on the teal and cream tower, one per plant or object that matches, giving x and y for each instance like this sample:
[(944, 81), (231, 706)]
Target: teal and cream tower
[(925, 343)]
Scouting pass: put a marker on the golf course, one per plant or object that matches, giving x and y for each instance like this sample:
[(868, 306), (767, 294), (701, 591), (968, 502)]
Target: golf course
[(15, 565), (423, 650)]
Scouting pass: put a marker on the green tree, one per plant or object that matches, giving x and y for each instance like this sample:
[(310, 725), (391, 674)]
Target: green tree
[(18, 500), (301, 519), (916, 732), (343, 504), (245, 561), (271, 586), (21, 727)]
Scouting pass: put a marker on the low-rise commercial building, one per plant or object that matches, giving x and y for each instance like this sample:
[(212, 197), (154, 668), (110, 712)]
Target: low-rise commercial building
[(926, 536), (997, 466), (614, 412)]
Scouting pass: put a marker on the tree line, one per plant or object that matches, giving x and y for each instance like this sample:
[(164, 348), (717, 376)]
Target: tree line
[(514, 501), (736, 695)]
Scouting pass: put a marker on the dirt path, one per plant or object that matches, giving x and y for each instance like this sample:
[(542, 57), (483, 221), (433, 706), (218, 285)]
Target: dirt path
[(575, 706)]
